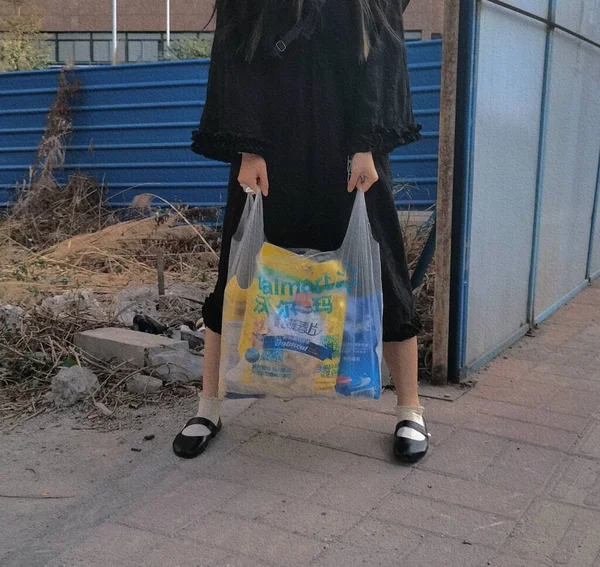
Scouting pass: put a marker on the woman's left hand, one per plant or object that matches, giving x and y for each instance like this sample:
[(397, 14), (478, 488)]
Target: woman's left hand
[(363, 173)]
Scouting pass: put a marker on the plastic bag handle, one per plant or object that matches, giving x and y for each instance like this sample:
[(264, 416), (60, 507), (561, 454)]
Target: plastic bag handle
[(253, 220), (359, 219), (360, 248), (247, 241)]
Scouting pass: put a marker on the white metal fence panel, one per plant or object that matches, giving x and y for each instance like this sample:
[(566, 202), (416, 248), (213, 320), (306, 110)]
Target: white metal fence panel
[(569, 174), (581, 16), (537, 7), (509, 77), (594, 265)]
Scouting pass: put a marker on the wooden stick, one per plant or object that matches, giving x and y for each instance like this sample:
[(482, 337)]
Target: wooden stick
[(441, 302), (160, 268)]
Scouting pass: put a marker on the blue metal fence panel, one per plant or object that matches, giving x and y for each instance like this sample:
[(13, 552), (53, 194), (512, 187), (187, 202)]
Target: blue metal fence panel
[(132, 129)]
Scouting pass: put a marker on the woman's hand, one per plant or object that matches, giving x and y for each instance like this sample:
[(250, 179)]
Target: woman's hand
[(363, 172), (253, 174)]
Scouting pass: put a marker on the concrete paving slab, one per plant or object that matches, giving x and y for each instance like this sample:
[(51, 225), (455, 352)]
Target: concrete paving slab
[(255, 539), (449, 520)]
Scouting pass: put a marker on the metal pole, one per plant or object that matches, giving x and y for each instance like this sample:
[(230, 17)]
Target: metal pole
[(443, 237), (115, 40), (591, 275), (168, 23), (468, 54), (539, 182)]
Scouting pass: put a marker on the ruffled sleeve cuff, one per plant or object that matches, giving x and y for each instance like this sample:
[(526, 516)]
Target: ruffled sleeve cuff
[(225, 146), (382, 140)]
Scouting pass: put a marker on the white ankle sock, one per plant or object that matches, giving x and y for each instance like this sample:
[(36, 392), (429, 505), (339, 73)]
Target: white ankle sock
[(412, 413), (210, 408)]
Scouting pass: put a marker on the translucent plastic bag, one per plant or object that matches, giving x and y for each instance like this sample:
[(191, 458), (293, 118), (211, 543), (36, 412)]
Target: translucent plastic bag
[(302, 322)]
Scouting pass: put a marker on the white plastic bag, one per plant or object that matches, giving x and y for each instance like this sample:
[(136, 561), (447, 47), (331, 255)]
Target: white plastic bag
[(302, 322)]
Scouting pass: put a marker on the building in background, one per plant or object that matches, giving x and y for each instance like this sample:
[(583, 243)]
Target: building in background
[(425, 19), (79, 30)]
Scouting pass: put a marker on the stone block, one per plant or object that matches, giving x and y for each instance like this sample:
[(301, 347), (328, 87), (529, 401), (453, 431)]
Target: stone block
[(122, 345)]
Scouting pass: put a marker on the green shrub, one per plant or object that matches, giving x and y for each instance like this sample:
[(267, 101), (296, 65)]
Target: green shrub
[(189, 48), (22, 45)]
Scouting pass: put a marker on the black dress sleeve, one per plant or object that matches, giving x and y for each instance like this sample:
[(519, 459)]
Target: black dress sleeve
[(233, 113), (382, 115)]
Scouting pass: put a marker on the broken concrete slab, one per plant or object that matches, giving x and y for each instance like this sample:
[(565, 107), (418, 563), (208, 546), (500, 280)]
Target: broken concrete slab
[(177, 366), (143, 384), (73, 384), (123, 345)]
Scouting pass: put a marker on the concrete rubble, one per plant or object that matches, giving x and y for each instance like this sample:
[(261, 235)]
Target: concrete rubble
[(73, 384), (176, 365), (11, 318), (143, 300), (143, 384), (82, 303)]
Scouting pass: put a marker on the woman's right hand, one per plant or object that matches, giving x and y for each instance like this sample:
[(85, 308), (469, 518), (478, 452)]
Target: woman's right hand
[(253, 174)]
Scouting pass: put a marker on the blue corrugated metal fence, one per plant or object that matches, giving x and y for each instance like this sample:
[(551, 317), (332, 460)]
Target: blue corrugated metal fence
[(133, 123)]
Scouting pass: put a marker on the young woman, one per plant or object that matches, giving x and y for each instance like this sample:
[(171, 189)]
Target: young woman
[(298, 91)]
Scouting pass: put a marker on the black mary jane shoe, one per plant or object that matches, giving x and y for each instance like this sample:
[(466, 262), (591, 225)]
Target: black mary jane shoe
[(410, 450), (188, 447)]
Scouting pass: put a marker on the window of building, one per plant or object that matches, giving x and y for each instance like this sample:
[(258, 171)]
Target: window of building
[(413, 35), (88, 48), (143, 47), (101, 47), (436, 36), (74, 47)]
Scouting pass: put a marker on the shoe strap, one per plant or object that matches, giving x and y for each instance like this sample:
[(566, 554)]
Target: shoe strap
[(202, 421), (413, 425)]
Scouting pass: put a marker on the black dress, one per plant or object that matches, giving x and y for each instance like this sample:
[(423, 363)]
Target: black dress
[(306, 112)]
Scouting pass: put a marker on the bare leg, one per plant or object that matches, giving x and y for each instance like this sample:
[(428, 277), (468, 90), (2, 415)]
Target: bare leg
[(209, 405), (403, 361), (411, 440), (212, 358)]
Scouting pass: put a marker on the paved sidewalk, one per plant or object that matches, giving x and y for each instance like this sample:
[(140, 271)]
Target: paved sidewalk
[(512, 480)]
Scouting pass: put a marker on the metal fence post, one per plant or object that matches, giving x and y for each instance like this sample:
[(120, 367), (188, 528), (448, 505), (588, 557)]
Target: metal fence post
[(589, 274), (539, 188)]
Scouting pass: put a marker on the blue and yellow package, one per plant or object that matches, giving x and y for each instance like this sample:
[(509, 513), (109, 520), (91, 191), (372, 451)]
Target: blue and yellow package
[(293, 324), (359, 372)]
